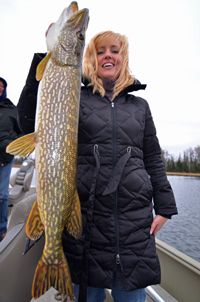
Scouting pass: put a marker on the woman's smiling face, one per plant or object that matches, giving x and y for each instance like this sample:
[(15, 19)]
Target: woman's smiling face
[(109, 59)]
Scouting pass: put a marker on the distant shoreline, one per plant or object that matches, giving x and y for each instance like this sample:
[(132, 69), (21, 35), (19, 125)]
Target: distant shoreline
[(168, 173), (183, 174)]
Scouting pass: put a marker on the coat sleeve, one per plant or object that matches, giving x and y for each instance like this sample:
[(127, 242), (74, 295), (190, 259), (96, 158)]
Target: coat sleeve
[(16, 126), (26, 106), (163, 197)]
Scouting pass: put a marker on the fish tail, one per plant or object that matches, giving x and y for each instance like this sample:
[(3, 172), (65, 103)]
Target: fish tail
[(47, 275)]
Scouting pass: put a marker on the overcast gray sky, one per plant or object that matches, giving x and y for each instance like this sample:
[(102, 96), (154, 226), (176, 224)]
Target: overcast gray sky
[(164, 39)]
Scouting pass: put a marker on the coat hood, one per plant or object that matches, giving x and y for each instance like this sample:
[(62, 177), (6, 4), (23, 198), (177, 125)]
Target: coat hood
[(133, 87)]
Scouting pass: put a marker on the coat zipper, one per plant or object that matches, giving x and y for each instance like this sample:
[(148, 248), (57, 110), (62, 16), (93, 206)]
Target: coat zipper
[(116, 193), (114, 135)]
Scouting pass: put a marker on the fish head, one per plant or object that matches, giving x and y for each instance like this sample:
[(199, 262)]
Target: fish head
[(66, 38)]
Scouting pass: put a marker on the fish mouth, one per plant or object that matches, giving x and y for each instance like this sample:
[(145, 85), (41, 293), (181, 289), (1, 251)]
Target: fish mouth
[(77, 18)]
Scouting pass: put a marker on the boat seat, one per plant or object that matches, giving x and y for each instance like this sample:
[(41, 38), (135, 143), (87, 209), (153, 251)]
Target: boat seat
[(17, 270), (21, 183)]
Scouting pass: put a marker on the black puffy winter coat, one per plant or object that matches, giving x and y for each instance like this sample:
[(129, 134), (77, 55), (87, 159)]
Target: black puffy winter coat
[(120, 171)]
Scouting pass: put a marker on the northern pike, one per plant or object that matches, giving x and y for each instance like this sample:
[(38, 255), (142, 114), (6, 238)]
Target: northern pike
[(55, 142)]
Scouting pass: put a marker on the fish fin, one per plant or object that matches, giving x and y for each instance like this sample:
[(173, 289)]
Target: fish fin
[(41, 67), (74, 224), (23, 146), (47, 275), (34, 225)]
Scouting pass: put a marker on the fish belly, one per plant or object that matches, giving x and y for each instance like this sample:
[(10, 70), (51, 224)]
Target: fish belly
[(56, 169)]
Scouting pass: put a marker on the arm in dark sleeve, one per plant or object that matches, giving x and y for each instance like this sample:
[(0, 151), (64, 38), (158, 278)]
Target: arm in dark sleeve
[(14, 131), (16, 126), (26, 106), (163, 197)]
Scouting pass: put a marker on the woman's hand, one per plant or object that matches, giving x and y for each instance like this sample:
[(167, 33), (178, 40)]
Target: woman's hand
[(157, 224), (46, 33)]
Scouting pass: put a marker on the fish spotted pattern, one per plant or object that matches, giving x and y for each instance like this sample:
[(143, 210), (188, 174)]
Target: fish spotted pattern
[(55, 143)]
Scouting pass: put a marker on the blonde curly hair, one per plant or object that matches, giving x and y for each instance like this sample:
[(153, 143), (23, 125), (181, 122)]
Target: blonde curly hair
[(90, 65)]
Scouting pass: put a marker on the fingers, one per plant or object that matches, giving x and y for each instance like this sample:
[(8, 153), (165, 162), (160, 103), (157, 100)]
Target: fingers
[(157, 224), (153, 226), (46, 33), (155, 231)]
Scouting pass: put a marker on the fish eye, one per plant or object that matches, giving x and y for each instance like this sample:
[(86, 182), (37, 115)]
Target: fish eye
[(80, 35)]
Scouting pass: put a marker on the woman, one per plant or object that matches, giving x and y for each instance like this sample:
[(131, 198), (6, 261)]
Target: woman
[(120, 170), (9, 131)]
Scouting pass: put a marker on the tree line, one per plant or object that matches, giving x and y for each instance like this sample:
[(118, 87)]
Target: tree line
[(189, 162)]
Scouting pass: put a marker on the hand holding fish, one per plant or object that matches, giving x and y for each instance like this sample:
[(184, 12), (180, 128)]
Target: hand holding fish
[(46, 33)]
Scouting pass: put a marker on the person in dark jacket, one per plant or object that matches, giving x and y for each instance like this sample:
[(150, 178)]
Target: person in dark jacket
[(120, 171), (9, 131)]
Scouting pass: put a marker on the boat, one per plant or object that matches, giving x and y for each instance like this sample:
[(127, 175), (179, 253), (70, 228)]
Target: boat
[(19, 256)]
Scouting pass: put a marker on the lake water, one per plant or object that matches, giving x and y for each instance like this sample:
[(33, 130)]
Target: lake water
[(183, 230)]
